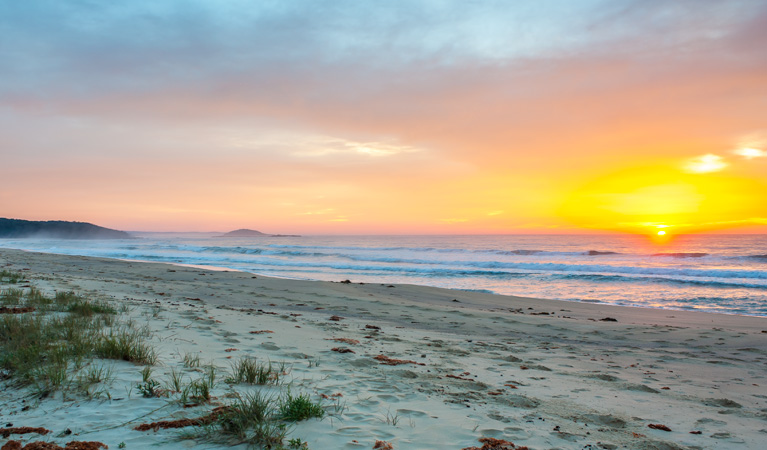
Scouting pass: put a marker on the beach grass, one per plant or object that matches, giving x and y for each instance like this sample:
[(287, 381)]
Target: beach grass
[(9, 277), (300, 407), (175, 381), (126, 344), (251, 371), (252, 418), (191, 360), (45, 340)]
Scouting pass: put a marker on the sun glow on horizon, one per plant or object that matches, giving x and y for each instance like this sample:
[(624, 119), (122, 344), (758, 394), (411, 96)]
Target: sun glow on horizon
[(649, 200)]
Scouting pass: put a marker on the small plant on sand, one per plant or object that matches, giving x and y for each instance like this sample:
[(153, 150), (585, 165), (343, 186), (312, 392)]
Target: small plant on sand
[(211, 372), (84, 308), (93, 375), (196, 392), (49, 378), (299, 408), (8, 277), (250, 419), (191, 360), (297, 444), (199, 390), (126, 344), (175, 381), (37, 299), (391, 419), (150, 389), (98, 374), (249, 370), (11, 297), (146, 373)]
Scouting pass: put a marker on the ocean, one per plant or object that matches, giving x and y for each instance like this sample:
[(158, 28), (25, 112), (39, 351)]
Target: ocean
[(716, 273)]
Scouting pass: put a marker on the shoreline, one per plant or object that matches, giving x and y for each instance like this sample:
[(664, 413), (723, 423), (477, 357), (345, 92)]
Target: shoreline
[(470, 291), (577, 378)]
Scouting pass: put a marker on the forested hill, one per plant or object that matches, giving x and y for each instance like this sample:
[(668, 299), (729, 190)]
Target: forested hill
[(56, 229)]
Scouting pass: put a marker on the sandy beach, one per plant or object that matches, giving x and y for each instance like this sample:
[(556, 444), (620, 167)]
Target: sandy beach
[(539, 373)]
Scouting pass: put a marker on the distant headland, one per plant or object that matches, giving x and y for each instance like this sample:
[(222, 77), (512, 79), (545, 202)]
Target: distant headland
[(244, 232), (56, 229)]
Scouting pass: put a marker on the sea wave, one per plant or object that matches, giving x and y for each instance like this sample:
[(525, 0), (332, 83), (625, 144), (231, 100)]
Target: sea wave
[(435, 268), (682, 255), (517, 252), (661, 280)]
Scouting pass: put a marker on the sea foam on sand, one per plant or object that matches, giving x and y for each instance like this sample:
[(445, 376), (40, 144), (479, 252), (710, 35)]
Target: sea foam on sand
[(539, 373)]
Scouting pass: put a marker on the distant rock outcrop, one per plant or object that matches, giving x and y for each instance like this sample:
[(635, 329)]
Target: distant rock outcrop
[(244, 232), (56, 229)]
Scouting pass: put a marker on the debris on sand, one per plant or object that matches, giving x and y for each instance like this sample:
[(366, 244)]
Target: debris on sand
[(489, 443), (40, 445), (460, 377), (342, 350), (327, 397), (182, 423), (395, 362), (23, 309), (346, 341), (658, 426), (5, 432)]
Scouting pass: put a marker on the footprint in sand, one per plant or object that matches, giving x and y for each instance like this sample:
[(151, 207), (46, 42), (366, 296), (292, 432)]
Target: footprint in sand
[(270, 346), (707, 421), (722, 403)]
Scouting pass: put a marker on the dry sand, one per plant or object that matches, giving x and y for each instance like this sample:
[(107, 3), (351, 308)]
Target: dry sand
[(540, 373)]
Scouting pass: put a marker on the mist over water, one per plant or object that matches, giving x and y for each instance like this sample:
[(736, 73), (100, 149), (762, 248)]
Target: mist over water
[(717, 273)]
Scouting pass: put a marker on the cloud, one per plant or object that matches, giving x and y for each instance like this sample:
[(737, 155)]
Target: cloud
[(705, 164), (324, 146), (750, 153)]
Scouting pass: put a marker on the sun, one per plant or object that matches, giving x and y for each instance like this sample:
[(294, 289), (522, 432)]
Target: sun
[(661, 233)]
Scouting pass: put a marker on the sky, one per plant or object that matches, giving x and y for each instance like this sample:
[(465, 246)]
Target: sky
[(396, 117)]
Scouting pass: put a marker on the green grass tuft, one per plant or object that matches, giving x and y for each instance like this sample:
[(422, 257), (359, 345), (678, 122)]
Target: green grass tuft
[(249, 370), (126, 344), (301, 407), (8, 277)]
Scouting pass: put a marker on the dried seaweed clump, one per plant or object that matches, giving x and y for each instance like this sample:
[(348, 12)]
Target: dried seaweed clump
[(346, 341), (659, 426), (395, 362), (5, 432), (181, 423), (460, 377), (383, 445), (342, 350), (40, 445), (15, 310), (489, 443)]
